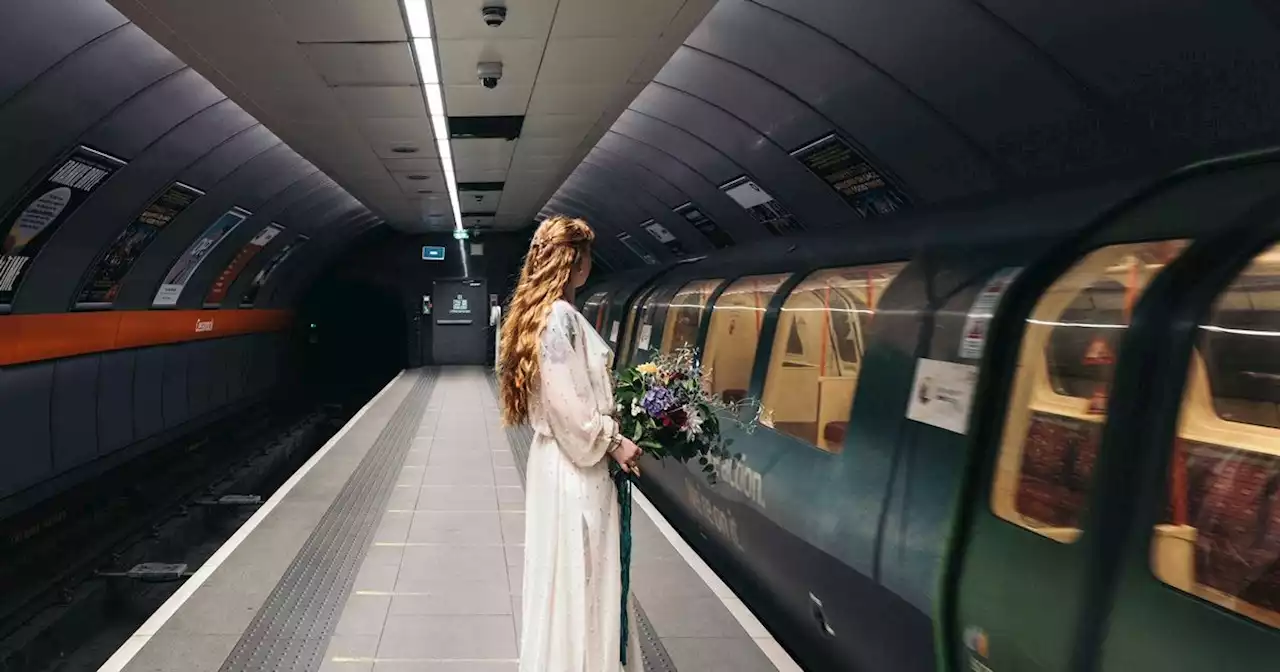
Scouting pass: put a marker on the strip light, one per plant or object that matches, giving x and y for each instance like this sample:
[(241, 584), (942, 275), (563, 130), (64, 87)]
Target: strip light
[(418, 16)]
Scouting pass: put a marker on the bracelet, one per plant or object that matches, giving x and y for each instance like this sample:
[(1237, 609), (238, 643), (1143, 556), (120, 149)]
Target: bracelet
[(614, 442)]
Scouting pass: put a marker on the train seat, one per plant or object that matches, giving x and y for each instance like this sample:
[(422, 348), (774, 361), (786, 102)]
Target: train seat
[(1058, 458), (833, 432)]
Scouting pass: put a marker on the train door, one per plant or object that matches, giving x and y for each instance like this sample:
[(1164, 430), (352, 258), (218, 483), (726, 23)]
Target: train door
[(734, 332), (629, 331), (1199, 585), (683, 318), (1028, 582), (645, 343)]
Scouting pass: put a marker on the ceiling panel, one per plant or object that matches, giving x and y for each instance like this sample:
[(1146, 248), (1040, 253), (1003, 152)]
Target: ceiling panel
[(481, 154), (381, 101), (525, 18), (614, 18), (568, 99), (474, 100), (368, 64), (611, 60), (480, 201), (341, 20), (556, 125)]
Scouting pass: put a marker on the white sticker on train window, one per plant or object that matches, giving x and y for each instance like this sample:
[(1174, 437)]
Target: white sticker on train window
[(942, 394), (642, 342), (613, 333), (978, 321)]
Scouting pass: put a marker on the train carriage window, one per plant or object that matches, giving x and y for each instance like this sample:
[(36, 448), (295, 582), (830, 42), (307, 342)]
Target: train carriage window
[(594, 310), (817, 352), (684, 317), (734, 332), (1059, 399), (1220, 537), (629, 330), (645, 339)]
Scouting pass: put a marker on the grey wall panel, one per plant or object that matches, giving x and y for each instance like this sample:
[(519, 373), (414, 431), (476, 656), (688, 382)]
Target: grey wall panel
[(230, 156), (153, 113), (45, 118), (37, 34), (934, 158), (603, 219), (115, 400), (776, 112), (174, 402), (693, 151), (772, 167), (655, 184), (148, 393), (26, 453), (200, 379), (239, 348), (75, 411), (719, 207), (611, 179), (77, 244), (310, 214), (291, 281), (222, 354), (139, 287)]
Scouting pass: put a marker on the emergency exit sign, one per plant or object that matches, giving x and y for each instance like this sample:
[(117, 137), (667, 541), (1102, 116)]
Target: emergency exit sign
[(432, 253)]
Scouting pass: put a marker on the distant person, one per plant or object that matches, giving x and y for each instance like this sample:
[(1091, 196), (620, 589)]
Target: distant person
[(554, 374)]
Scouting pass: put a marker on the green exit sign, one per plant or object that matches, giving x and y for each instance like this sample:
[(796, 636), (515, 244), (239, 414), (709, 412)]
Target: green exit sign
[(461, 234), (431, 253)]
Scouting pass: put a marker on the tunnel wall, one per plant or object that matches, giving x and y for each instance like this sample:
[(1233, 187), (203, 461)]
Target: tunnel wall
[(119, 164)]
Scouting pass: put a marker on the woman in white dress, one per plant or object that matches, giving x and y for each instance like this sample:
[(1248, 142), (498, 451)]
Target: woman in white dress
[(554, 374)]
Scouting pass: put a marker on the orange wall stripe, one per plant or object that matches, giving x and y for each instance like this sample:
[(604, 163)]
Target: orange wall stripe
[(31, 338)]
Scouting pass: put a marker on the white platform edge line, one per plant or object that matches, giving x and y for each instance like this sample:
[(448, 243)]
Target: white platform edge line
[(772, 650), (147, 630)]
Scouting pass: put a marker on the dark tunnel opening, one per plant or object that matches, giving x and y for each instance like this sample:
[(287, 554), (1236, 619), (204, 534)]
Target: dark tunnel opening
[(350, 338)]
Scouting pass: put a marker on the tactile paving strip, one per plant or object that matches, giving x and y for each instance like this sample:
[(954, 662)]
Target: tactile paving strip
[(291, 632), (652, 652)]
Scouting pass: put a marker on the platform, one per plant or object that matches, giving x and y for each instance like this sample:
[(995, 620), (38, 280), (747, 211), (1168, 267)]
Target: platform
[(398, 546)]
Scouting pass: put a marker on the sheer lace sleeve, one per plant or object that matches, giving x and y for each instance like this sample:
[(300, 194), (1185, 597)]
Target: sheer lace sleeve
[(581, 430)]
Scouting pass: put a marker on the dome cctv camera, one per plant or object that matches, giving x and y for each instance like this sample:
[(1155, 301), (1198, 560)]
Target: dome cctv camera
[(494, 13), (489, 74)]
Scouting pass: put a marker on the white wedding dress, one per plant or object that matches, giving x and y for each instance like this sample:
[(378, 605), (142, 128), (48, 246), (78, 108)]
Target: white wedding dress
[(572, 577)]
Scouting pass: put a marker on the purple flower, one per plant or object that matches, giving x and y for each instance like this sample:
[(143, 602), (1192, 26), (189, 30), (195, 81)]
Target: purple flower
[(657, 400)]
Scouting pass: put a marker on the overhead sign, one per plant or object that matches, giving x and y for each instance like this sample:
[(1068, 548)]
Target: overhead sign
[(276, 260), (190, 260), (625, 239), (705, 225), (762, 207), (38, 215), (218, 291), (849, 173), (461, 234), (432, 253), (103, 282), (662, 235)]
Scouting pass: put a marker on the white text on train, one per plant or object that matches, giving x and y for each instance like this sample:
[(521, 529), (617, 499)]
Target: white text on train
[(740, 477), (720, 519)]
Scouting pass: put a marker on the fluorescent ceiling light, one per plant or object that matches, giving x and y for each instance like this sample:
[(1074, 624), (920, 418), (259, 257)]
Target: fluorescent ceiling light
[(435, 100), (441, 127), (419, 18), (427, 67)]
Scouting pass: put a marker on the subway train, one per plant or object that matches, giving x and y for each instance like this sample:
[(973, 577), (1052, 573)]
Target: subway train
[(1036, 434)]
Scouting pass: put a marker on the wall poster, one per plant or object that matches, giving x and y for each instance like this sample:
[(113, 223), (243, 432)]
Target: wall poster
[(705, 225), (849, 173), (662, 235), (218, 291), (764, 208), (103, 282), (632, 245), (30, 225), (251, 294), (182, 270)]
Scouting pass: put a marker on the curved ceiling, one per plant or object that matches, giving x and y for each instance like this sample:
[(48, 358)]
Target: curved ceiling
[(937, 100), (81, 86)]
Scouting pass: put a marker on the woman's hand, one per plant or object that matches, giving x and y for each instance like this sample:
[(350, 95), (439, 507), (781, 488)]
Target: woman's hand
[(627, 455)]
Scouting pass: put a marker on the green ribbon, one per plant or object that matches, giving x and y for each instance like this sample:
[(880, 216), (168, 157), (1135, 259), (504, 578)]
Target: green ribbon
[(623, 480)]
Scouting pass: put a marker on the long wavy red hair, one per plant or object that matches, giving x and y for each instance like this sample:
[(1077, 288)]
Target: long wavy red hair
[(558, 245)]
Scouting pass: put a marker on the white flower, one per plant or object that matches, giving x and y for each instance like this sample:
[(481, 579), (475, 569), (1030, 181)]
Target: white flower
[(636, 408), (693, 425)]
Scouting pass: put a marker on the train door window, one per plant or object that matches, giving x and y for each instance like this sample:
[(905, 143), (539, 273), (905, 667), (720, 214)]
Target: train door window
[(684, 317), (1059, 399), (734, 332), (817, 352), (629, 330), (594, 310), (644, 337), (1220, 537)]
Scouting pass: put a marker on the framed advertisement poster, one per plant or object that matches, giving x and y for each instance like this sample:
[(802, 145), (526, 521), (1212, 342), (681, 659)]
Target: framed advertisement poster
[(282, 255), (762, 207), (102, 283), (705, 225), (182, 270), (32, 223), (849, 173), (218, 291)]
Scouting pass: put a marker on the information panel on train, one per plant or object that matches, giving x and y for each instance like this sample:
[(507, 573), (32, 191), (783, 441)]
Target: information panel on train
[(102, 283), (46, 207)]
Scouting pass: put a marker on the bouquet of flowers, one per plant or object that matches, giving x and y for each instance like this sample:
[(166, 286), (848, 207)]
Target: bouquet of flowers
[(665, 408)]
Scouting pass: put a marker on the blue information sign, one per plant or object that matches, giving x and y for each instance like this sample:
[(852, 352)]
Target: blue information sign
[(432, 253)]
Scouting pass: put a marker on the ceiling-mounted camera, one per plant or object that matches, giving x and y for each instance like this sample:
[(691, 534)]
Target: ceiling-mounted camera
[(494, 13), (489, 74)]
